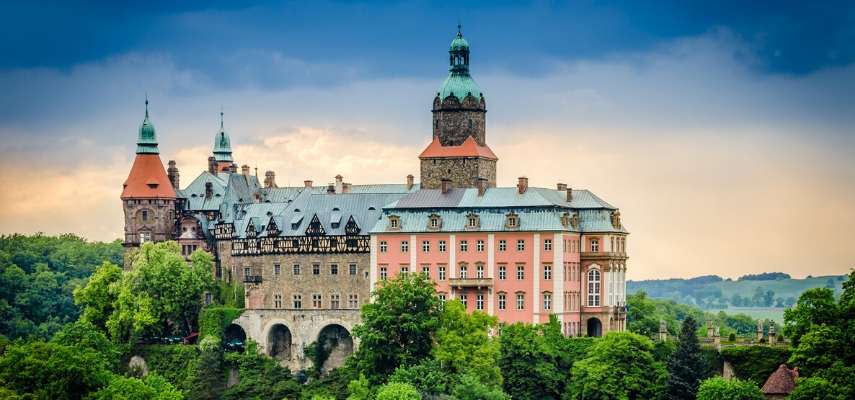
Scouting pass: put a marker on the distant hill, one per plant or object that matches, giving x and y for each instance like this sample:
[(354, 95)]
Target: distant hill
[(711, 292)]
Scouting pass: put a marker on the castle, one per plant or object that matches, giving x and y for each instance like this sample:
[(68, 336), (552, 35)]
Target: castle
[(309, 256)]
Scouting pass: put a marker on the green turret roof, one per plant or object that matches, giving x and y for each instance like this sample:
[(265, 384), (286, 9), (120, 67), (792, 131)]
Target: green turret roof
[(459, 83), (147, 139), (222, 144)]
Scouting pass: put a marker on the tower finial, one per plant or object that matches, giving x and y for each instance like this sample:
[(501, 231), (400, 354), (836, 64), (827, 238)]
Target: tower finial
[(459, 27), (146, 104), (221, 117)]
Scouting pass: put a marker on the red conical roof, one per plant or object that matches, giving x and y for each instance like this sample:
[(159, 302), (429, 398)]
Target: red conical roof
[(148, 179)]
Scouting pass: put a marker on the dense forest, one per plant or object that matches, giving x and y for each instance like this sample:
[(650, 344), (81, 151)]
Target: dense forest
[(412, 345)]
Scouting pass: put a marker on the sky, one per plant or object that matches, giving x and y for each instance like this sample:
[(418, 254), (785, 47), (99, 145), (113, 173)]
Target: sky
[(724, 131)]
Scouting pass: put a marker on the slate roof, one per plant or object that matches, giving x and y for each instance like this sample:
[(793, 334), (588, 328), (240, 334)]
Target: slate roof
[(195, 192), (539, 209), (782, 381)]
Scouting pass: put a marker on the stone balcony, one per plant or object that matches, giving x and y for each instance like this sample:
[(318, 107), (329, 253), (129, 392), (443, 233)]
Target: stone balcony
[(471, 282), (602, 255)]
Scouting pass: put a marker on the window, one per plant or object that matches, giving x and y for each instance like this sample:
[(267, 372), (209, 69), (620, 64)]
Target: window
[(479, 271), (463, 270), (513, 221), (547, 301), (503, 301), (298, 301), (277, 301), (472, 221), (383, 246), (425, 246), (405, 246), (440, 270), (383, 273), (441, 296), (442, 246), (479, 246), (277, 269), (434, 222), (464, 246), (145, 237), (208, 298), (334, 301), (296, 269), (520, 244), (247, 271), (145, 215), (393, 223), (520, 301), (333, 269), (503, 245), (547, 272), (316, 300), (316, 269), (595, 245), (463, 299), (547, 244), (352, 269), (479, 302), (520, 272), (593, 288), (405, 269), (426, 270), (353, 301), (503, 272)]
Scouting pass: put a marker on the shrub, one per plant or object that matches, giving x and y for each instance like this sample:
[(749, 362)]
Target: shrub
[(731, 337), (718, 388), (176, 363), (398, 391), (755, 363), (214, 320)]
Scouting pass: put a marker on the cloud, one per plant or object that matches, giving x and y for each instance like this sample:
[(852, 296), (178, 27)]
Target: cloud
[(717, 169)]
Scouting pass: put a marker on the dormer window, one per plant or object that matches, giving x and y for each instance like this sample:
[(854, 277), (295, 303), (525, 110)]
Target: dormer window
[(394, 222), (512, 221), (473, 221), (434, 222)]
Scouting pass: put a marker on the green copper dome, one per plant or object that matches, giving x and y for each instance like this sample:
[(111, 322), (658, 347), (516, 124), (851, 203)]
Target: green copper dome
[(459, 83), (147, 139), (222, 144)]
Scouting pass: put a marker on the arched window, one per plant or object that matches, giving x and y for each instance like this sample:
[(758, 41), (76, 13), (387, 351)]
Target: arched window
[(593, 288)]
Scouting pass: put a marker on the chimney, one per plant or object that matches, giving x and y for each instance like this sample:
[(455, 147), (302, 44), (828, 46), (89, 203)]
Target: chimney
[(339, 184), (410, 181), (307, 184), (345, 187), (522, 186), (212, 165), (172, 171), (270, 179), (244, 169), (209, 190), (446, 185), (569, 194), (482, 186), (331, 188), (562, 186)]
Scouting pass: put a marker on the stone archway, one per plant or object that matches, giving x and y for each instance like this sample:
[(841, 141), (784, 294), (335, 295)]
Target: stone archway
[(336, 343), (234, 338), (279, 342), (594, 327)]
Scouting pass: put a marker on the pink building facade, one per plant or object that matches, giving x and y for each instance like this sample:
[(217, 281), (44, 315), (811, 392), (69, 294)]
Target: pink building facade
[(519, 253)]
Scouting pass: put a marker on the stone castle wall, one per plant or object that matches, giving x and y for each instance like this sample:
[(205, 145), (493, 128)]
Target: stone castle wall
[(463, 172), (154, 216), (452, 127)]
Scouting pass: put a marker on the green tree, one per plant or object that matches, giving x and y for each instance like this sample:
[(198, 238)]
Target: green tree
[(463, 344), (162, 294), (428, 377), (470, 387), (207, 382), (52, 370), (260, 377), (98, 296), (618, 366), (818, 349), (685, 366), (718, 388), (528, 368), (815, 307), (152, 387), (398, 391), (359, 389), (397, 327), (641, 314), (83, 334), (814, 388)]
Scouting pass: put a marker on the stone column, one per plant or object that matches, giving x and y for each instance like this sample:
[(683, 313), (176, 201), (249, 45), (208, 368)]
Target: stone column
[(663, 331), (759, 330), (773, 338)]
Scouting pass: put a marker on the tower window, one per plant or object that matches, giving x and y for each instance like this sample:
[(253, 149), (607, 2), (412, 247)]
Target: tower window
[(471, 124), (145, 215)]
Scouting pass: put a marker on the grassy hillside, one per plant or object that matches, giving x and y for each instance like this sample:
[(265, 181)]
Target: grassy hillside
[(763, 296)]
